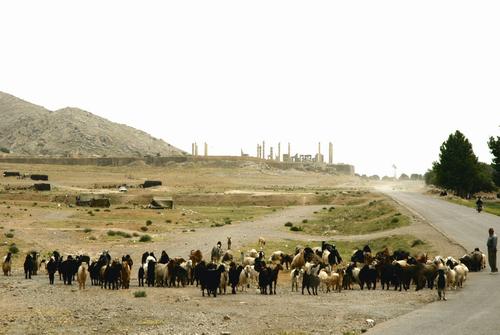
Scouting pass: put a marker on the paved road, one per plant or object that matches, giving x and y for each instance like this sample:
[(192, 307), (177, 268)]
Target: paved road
[(474, 309)]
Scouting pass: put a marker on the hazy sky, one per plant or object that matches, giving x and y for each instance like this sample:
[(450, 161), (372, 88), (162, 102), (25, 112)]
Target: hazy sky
[(385, 81)]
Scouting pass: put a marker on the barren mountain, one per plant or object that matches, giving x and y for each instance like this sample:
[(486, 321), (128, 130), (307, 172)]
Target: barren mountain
[(28, 129)]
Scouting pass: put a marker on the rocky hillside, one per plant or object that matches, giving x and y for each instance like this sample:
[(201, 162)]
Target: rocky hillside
[(28, 129)]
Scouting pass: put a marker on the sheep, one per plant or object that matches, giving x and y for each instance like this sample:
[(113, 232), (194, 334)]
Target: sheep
[(277, 256), (296, 277), (161, 274), (82, 275), (336, 280), (254, 275), (188, 266), (253, 253), (7, 265), (125, 275), (224, 279), (303, 256), (461, 274), (244, 280), (248, 261), (451, 275), (324, 280)]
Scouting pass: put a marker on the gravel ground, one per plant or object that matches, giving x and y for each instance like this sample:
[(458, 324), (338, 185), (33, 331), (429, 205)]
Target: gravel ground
[(34, 307)]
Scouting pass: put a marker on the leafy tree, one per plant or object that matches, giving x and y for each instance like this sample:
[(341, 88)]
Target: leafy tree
[(415, 176), (430, 177), (404, 176), (457, 168), (484, 178), (494, 146)]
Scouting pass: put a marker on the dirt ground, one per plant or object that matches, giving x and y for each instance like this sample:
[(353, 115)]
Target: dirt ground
[(35, 307)]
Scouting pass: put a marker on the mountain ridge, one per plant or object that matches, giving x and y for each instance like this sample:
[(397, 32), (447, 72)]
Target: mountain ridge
[(30, 129)]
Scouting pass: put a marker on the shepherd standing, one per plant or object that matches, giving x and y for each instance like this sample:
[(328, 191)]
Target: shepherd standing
[(492, 250)]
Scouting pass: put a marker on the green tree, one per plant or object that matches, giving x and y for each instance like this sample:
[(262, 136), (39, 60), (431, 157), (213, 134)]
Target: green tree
[(494, 145), (457, 168), (430, 177)]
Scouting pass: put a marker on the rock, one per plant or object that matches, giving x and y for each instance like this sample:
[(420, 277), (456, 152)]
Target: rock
[(226, 317)]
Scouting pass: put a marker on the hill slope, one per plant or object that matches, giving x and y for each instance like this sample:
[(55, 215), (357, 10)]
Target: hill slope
[(28, 129)]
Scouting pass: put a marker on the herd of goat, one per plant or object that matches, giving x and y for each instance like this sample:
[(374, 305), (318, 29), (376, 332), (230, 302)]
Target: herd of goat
[(311, 268)]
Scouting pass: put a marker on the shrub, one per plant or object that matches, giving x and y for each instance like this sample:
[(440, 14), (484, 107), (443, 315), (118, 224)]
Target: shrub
[(92, 238), (218, 225), (97, 210), (168, 221), (417, 242), (296, 228), (135, 234), (304, 221), (107, 210), (149, 223), (145, 238), (119, 233), (140, 294), (227, 221), (144, 228), (87, 230), (394, 220), (9, 235), (13, 249), (34, 204), (288, 224)]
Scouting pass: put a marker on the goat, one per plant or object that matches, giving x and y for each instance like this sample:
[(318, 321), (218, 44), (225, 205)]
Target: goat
[(311, 279), (441, 283), (234, 276), (82, 275), (7, 265), (296, 276), (125, 275)]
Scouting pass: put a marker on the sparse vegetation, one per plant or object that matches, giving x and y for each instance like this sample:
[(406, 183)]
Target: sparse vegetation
[(296, 228), (288, 224), (149, 222), (144, 228), (140, 294), (145, 238), (13, 249), (87, 230), (9, 235)]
